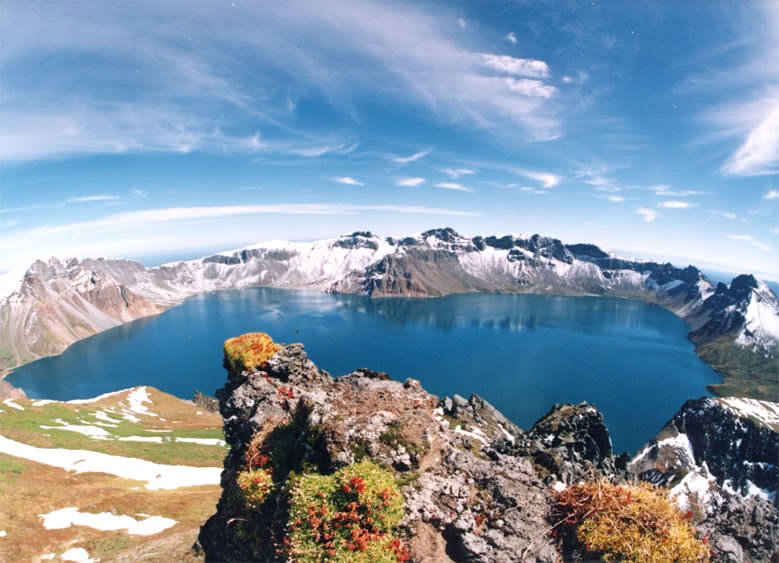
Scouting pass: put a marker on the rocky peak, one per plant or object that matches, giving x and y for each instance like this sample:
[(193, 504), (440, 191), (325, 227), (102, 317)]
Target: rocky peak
[(444, 234), (743, 284), (358, 239), (546, 247), (569, 443), (474, 486), (719, 457), (586, 251)]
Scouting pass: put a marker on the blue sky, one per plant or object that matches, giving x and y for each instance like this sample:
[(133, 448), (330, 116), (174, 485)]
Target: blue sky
[(148, 129)]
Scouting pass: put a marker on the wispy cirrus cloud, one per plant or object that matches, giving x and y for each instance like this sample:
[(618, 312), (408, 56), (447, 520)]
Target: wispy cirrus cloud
[(457, 172), (745, 116), (403, 160), (751, 240), (93, 198), (511, 37), (599, 178), (771, 194), (546, 179), (161, 94), (411, 182), (667, 191), (347, 180), (757, 122), (454, 186)]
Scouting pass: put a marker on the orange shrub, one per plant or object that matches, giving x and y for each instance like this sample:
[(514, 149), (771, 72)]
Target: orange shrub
[(627, 523), (249, 351)]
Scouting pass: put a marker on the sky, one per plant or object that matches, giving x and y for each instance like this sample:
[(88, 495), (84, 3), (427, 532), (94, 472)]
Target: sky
[(145, 129)]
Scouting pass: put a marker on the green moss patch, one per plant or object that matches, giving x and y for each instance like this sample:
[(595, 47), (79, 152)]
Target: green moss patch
[(350, 515)]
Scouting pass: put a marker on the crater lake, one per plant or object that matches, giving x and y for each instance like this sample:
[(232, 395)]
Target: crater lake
[(522, 353)]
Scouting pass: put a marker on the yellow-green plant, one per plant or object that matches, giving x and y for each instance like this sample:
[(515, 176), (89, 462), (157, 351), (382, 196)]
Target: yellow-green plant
[(350, 515), (255, 484), (249, 351), (628, 523)]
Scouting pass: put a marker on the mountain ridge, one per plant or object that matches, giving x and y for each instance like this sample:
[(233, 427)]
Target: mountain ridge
[(733, 327)]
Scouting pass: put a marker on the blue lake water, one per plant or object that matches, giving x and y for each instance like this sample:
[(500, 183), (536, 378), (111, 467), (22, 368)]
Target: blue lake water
[(523, 353)]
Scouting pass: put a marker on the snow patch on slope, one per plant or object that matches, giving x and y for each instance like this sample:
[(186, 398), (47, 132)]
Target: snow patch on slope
[(765, 412), (157, 476), (105, 521)]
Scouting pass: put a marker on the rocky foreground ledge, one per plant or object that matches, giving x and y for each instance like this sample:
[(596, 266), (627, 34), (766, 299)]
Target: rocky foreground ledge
[(410, 476)]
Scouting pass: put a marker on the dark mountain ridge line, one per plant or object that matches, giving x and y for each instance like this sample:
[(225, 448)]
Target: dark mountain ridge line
[(70, 301)]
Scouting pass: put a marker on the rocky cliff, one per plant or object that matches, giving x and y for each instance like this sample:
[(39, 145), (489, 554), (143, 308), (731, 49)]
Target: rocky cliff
[(736, 327), (472, 485)]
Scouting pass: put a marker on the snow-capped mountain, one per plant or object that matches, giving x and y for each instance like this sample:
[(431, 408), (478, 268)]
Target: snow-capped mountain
[(715, 447), (58, 303)]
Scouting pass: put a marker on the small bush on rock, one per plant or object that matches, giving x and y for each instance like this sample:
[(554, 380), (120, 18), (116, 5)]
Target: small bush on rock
[(255, 484), (627, 523), (249, 351), (347, 516)]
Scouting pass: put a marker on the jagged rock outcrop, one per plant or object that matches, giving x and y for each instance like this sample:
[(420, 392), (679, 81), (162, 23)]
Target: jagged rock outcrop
[(720, 457), (464, 499), (570, 443), (475, 486)]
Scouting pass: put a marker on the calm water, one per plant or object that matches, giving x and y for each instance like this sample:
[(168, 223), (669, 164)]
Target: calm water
[(522, 353)]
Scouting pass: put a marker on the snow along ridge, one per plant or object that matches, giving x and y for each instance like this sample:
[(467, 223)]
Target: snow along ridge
[(91, 295)]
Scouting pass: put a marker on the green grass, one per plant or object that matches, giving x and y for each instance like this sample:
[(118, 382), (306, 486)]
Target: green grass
[(25, 426), (744, 372)]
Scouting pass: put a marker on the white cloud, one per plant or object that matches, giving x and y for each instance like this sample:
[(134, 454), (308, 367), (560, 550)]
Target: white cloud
[(457, 172), (158, 94), (516, 66), (138, 193), (751, 240), (674, 204), (649, 215), (402, 160), (511, 37), (530, 88), (410, 182), (775, 230), (532, 190), (771, 194), (462, 23), (758, 154), (615, 198), (596, 176), (347, 180), (666, 191), (93, 198), (546, 179), (744, 113), (452, 186)]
